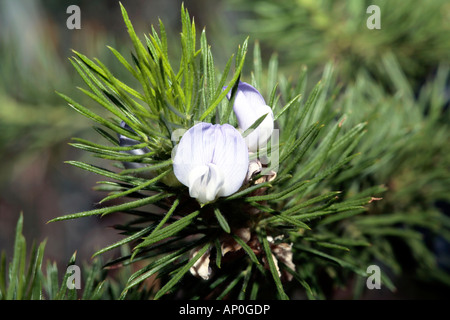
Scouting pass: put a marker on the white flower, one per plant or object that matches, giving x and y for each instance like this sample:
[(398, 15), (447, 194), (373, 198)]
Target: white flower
[(212, 160), (249, 106)]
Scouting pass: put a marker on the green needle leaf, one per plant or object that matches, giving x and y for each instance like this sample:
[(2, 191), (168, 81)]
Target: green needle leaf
[(222, 221), (177, 277)]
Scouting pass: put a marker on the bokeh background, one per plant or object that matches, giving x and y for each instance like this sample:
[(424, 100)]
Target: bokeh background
[(36, 125)]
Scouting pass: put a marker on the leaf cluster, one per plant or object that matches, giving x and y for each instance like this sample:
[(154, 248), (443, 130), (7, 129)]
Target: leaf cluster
[(317, 201)]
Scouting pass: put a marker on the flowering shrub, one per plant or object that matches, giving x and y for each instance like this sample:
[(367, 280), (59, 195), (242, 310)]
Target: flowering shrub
[(234, 188)]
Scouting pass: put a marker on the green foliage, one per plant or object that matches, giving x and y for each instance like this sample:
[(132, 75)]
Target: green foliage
[(335, 161), (405, 152), (28, 276), (313, 32), (19, 280), (171, 100), (395, 85), (25, 280)]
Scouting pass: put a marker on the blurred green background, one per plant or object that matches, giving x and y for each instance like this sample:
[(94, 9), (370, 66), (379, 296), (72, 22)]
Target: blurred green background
[(36, 125)]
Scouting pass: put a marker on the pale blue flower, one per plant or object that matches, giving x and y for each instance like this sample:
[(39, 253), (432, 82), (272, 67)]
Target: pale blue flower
[(249, 106), (212, 160), (128, 142)]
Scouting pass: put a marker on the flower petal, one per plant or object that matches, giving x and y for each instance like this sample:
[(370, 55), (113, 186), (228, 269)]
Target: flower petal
[(232, 158), (212, 160), (191, 152), (249, 106), (205, 182)]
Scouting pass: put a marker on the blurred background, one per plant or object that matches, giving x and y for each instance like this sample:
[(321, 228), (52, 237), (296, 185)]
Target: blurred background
[(36, 125)]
